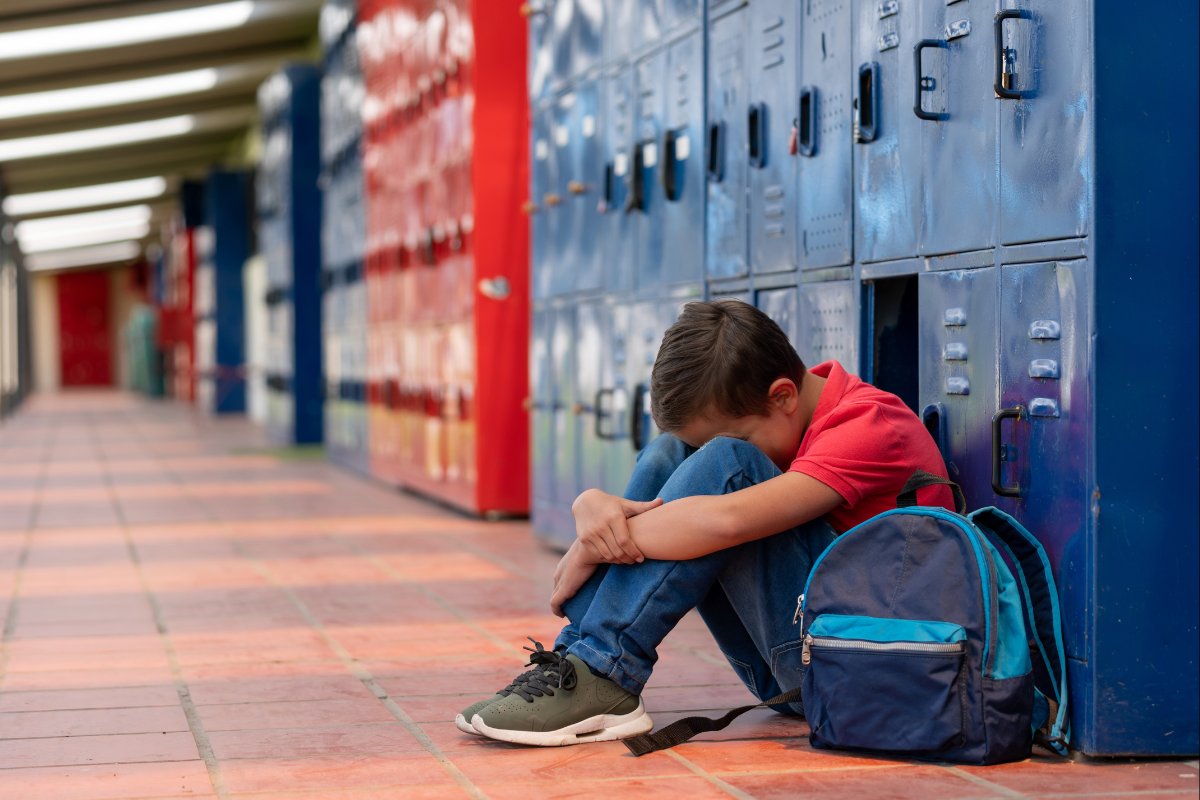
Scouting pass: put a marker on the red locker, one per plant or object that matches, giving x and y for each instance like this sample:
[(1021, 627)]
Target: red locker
[(84, 337)]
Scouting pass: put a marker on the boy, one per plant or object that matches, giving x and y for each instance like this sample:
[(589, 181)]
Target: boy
[(761, 464)]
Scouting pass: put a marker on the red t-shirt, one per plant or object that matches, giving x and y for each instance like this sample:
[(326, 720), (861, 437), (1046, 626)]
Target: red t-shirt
[(864, 443)]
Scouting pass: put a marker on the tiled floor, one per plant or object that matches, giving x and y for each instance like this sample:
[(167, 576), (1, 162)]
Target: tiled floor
[(188, 615)]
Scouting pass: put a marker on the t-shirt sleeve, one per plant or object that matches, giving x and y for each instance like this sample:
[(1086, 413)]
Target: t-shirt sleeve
[(857, 453)]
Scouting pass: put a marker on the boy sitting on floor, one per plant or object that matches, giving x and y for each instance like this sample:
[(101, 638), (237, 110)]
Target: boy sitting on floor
[(761, 464)]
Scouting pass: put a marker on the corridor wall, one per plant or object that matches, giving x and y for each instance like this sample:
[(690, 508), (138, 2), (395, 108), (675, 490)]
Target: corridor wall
[(16, 354), (951, 199)]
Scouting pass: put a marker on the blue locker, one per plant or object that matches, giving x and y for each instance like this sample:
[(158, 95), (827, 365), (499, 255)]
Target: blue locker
[(617, 199), (593, 407), (289, 211), (543, 203), (588, 35), (886, 132), (959, 146), (771, 68), (681, 153), (726, 254), (679, 12), (646, 191), (650, 21), (824, 122), (783, 306), (227, 216), (541, 378), (560, 210), (582, 180), (562, 402), (827, 323), (1045, 130), (621, 30), (541, 47), (562, 23)]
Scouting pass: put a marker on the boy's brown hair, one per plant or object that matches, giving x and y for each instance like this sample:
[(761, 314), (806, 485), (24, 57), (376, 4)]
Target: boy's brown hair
[(720, 357)]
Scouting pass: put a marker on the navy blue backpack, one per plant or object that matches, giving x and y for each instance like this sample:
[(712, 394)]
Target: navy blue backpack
[(919, 641)]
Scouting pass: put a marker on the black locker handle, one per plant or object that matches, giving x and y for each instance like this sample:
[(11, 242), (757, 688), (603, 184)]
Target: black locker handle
[(998, 450), (608, 186), (635, 199), (1004, 91), (637, 416), (716, 152), (867, 119), (921, 83), (756, 123), (667, 175), (602, 414), (934, 418), (806, 142)]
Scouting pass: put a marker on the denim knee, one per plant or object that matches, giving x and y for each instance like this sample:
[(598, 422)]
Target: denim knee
[(723, 465)]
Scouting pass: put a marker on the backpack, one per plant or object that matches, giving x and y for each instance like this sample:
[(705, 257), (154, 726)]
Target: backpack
[(918, 640)]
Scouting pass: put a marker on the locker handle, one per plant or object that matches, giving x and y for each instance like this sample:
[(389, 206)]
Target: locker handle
[(576, 187), (806, 141), (606, 201), (1002, 80), (529, 208), (866, 106), (635, 200), (603, 414), (756, 122), (668, 174), (919, 80), (1000, 451), (716, 152), (934, 418), (637, 416)]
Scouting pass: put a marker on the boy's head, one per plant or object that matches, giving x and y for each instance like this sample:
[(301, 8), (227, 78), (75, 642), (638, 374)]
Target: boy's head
[(727, 363)]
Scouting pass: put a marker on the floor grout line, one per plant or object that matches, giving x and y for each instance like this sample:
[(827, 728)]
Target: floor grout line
[(710, 778), (978, 781)]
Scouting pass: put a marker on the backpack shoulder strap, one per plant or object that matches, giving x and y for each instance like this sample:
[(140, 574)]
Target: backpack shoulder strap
[(1040, 595), (919, 480)]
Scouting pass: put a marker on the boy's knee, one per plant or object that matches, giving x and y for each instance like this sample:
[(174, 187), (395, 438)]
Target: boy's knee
[(716, 467)]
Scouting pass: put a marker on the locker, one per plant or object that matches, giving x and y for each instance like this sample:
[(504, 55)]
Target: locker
[(885, 130), (958, 372), (588, 35), (650, 20), (827, 323), (680, 12), (593, 432), (562, 402), (582, 180), (1044, 366), (621, 454), (681, 155), (558, 202), (543, 203), (617, 221), (959, 149), (771, 66), (782, 305), (621, 30), (649, 321), (725, 145), (541, 48), (1045, 132), (646, 192), (823, 136), (562, 21)]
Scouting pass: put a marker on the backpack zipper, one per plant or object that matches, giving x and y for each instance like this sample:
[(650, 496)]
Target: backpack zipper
[(799, 615), (811, 641)]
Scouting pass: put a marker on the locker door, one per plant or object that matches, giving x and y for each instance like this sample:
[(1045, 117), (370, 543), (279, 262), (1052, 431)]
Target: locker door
[(562, 20), (725, 146), (584, 184), (782, 305), (620, 28), (771, 67), (958, 372), (676, 12), (617, 224), (559, 209), (649, 20), (620, 364), (541, 49), (827, 324), (543, 179), (887, 134), (958, 146), (591, 338), (682, 169), (650, 322), (824, 145), (1045, 142), (562, 394), (588, 35), (1044, 367), (645, 168), (541, 378)]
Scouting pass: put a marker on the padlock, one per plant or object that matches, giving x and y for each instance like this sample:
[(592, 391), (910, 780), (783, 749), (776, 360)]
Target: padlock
[(794, 139)]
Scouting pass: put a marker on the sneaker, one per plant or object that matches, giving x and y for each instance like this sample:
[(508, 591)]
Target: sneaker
[(538, 658), (561, 702)]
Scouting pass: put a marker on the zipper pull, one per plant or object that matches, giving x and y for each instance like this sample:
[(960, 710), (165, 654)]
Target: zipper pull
[(806, 652), (799, 615)]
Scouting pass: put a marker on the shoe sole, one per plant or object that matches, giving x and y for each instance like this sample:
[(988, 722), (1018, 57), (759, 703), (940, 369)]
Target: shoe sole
[(600, 728), (461, 723)]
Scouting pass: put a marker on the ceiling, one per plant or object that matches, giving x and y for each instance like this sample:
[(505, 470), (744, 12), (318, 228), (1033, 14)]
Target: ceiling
[(223, 114)]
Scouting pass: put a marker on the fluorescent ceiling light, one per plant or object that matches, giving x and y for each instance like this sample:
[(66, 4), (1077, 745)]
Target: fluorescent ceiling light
[(85, 256), (68, 239), (107, 94), (94, 138), (90, 221), (18, 205), (123, 30)]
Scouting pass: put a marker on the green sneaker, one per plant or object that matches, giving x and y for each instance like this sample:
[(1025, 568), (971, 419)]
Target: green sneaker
[(561, 703), (539, 657)]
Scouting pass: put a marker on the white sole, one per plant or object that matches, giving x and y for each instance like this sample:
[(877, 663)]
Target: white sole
[(600, 728), (461, 723)]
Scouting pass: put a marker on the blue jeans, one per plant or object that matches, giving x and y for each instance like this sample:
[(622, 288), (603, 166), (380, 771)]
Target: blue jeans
[(745, 594)]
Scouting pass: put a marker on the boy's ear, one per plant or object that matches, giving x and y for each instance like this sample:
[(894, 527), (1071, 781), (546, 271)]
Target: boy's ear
[(784, 395)]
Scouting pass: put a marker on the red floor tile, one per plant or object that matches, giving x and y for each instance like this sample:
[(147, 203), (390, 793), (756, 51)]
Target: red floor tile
[(167, 779), (887, 782), (334, 772), (84, 750), (91, 722), (312, 742), (1046, 776), (294, 714)]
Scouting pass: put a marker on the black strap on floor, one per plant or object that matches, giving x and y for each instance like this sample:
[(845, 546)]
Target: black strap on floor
[(681, 730)]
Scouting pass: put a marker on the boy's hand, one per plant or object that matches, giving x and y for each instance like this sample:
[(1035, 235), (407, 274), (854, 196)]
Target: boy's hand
[(600, 526), (572, 572)]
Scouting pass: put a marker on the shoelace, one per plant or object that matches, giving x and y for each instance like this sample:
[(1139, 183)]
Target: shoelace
[(551, 670)]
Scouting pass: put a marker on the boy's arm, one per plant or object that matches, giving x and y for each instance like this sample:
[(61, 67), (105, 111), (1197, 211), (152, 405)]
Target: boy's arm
[(696, 526)]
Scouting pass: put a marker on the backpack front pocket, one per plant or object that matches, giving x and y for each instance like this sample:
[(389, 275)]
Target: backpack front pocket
[(885, 684)]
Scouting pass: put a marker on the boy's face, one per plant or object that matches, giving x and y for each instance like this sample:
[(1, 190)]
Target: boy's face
[(776, 433)]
